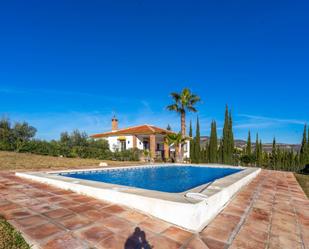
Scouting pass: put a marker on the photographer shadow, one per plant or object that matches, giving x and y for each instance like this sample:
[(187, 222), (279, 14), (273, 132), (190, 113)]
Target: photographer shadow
[(137, 240)]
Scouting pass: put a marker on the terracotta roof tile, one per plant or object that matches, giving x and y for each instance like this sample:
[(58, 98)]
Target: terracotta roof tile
[(135, 130)]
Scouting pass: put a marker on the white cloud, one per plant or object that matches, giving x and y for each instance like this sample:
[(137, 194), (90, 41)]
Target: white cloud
[(274, 120), (253, 121)]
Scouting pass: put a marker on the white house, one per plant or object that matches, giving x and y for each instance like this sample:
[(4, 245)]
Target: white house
[(143, 137)]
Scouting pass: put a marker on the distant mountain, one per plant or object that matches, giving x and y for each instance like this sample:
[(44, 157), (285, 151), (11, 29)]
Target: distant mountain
[(266, 147)]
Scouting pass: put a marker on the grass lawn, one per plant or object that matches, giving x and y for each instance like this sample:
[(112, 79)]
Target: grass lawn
[(10, 238), (24, 161), (303, 181)]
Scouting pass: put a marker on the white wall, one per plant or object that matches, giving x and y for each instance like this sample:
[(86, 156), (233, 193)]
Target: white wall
[(114, 143), (139, 143), (187, 151)]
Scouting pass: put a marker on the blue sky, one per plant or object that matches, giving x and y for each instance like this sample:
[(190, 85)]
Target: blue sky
[(72, 64)]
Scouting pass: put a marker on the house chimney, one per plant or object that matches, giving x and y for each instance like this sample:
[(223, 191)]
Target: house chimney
[(114, 124)]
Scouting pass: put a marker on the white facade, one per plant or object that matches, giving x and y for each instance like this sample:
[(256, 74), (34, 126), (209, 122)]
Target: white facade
[(114, 142)]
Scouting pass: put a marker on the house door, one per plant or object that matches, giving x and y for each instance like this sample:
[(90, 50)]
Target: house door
[(123, 145), (146, 145)]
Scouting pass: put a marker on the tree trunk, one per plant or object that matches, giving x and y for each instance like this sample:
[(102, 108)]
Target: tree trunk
[(183, 134), (178, 153), (183, 124)]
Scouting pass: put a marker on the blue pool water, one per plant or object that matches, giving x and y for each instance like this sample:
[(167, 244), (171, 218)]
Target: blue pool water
[(172, 179)]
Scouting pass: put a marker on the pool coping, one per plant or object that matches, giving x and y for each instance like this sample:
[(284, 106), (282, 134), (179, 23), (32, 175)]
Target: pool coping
[(192, 209)]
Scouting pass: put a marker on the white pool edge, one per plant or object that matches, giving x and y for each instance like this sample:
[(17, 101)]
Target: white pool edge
[(190, 214)]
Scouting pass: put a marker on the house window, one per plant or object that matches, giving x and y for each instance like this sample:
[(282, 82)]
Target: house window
[(158, 146)]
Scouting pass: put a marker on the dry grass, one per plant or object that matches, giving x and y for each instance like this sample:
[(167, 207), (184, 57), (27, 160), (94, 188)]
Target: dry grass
[(303, 181), (24, 162)]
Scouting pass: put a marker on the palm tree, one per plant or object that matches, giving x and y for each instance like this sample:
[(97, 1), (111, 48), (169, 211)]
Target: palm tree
[(177, 140), (184, 101)]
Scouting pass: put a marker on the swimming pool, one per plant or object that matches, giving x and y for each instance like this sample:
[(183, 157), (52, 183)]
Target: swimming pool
[(168, 178), (189, 196)]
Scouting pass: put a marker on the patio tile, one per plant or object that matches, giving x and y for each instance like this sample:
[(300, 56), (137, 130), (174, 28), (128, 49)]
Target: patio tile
[(234, 210), (260, 214), (4, 202), (163, 243), (283, 226), (94, 234), (42, 231), (95, 215), (66, 241), (55, 199), (28, 202), (115, 241), (59, 213), (247, 243), (279, 242), (16, 213), (214, 244), (34, 220), (221, 221), (219, 234), (128, 232), (154, 225), (82, 199), (81, 208), (177, 234), (133, 216), (75, 222), (257, 225), (9, 206), (114, 209), (196, 243), (57, 191), (249, 233), (97, 204), (67, 204), (42, 208), (116, 224)]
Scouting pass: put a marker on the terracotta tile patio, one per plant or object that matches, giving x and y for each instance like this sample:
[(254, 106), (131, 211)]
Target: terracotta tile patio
[(272, 212)]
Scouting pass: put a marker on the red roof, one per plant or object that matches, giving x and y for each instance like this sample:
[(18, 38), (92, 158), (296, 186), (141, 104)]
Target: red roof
[(135, 130)]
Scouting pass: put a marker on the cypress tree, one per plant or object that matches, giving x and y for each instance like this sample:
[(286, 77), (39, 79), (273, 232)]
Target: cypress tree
[(190, 129), (207, 153), (296, 161), (279, 157), (168, 127), (257, 150), (274, 155), (307, 150), (220, 151), (249, 147), (231, 139), (197, 143), (213, 143), (227, 139), (192, 151), (260, 159), (304, 148)]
